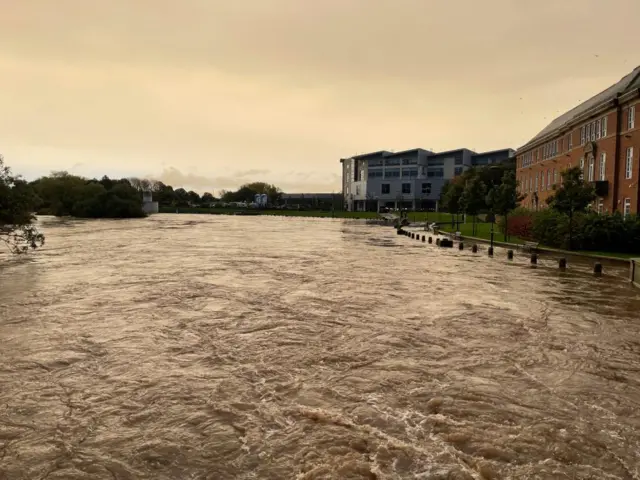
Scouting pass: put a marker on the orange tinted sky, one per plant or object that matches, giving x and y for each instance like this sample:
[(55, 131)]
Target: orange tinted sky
[(208, 94)]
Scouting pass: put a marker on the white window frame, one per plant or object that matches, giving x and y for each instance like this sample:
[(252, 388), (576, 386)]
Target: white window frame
[(602, 170), (631, 117), (570, 140), (593, 131), (598, 126), (626, 209), (592, 168), (549, 178), (582, 135), (628, 170), (604, 127), (555, 176)]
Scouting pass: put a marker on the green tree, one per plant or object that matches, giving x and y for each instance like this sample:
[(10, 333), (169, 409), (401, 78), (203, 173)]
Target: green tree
[(208, 198), (503, 198), (181, 197), (574, 195), (194, 198), (472, 199), (17, 202), (62, 194), (450, 196)]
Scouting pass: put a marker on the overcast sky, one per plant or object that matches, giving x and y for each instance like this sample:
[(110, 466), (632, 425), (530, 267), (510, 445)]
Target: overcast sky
[(209, 94)]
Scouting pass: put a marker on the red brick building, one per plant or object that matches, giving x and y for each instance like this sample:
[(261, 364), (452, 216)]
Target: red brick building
[(602, 136)]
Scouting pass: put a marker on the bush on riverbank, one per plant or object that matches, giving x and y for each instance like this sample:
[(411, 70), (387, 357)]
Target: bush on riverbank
[(591, 231), (62, 194), (17, 202)]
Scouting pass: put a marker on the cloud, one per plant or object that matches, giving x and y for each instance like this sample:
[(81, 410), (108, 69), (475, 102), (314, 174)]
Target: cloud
[(292, 182)]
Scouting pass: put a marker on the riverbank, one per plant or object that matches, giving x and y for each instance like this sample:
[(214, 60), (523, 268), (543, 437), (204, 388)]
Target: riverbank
[(483, 235), (412, 216)]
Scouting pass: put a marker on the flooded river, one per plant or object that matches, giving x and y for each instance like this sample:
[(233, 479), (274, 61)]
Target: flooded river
[(203, 347)]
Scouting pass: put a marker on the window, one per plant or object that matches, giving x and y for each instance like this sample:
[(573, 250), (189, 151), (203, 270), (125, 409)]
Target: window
[(593, 131), (386, 189), (392, 173), (629, 164), (435, 172), (582, 169), (457, 171), (357, 189), (600, 206), (392, 161), (549, 179), (603, 166), (631, 117), (570, 140), (536, 184), (406, 188), (598, 129), (604, 126), (555, 176), (458, 161), (426, 188), (409, 161), (375, 163), (537, 154), (558, 148), (409, 172), (375, 174), (627, 207), (591, 168), (582, 135)]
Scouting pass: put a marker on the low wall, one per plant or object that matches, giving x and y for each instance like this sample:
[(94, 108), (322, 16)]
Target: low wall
[(634, 275), (150, 207)]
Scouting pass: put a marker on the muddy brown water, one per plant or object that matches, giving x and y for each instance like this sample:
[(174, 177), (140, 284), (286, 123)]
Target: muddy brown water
[(206, 347)]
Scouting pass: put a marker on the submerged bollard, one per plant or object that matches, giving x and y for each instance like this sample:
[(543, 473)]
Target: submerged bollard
[(491, 251), (424, 239), (562, 264), (438, 242), (461, 246), (534, 259), (417, 237), (474, 248), (400, 231), (510, 254), (597, 269), (430, 240)]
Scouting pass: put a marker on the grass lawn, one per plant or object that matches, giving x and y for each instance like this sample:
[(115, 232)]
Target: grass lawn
[(483, 230)]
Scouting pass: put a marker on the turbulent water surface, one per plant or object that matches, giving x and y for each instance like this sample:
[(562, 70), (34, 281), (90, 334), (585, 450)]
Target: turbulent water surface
[(201, 347)]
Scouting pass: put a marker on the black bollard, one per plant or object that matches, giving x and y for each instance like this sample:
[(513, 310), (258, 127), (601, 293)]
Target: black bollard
[(400, 231), (430, 240), (562, 264), (424, 239), (510, 254), (534, 259), (597, 269), (438, 242), (461, 246), (474, 248), (491, 251), (418, 237)]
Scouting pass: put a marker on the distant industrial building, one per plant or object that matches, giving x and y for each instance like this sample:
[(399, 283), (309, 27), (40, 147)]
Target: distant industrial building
[(601, 137), (410, 179)]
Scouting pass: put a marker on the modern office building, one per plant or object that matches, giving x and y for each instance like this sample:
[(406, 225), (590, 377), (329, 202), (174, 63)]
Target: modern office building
[(410, 179), (601, 137)]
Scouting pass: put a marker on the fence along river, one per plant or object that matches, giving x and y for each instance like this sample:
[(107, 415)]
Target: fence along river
[(210, 347)]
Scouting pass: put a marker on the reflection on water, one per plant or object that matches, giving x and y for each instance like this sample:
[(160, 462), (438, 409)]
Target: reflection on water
[(196, 347)]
